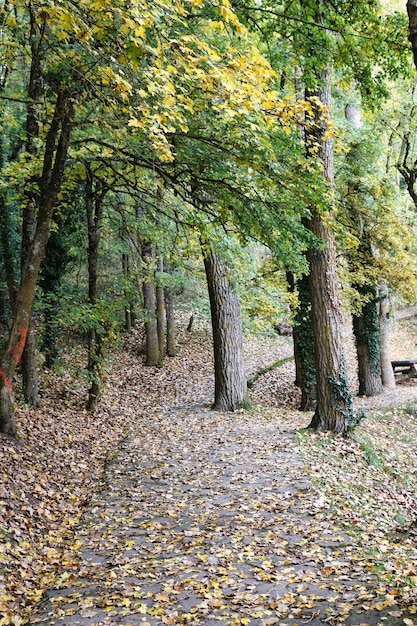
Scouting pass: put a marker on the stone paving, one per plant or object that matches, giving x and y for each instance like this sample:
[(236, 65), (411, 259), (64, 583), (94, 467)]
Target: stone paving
[(208, 518)]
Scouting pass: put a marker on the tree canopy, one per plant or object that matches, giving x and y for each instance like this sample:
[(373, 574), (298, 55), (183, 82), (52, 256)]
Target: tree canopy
[(139, 128)]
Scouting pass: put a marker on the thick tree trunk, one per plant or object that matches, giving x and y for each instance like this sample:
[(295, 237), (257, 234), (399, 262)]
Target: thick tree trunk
[(366, 332), (230, 380), (334, 409), (304, 346), (49, 186), (387, 373)]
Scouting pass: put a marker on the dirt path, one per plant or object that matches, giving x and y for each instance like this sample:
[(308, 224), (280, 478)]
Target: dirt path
[(209, 518)]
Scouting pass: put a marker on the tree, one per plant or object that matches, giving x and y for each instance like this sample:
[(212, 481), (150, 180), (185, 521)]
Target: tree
[(128, 97), (303, 337), (153, 356), (230, 388), (376, 245), (56, 147), (365, 315), (334, 409), (95, 192)]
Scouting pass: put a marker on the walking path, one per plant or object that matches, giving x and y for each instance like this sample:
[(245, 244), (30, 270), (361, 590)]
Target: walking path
[(209, 518)]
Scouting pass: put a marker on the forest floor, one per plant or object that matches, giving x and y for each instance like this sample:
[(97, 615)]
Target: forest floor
[(158, 510)]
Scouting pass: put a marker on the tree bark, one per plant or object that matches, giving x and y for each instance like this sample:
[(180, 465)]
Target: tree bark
[(129, 303), (35, 89), (229, 373), (94, 198), (387, 373), (334, 408), (151, 328), (171, 330), (412, 23), (149, 304), (30, 380), (366, 332), (304, 346), (160, 313)]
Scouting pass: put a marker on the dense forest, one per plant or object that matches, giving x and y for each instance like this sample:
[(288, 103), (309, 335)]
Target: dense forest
[(268, 144)]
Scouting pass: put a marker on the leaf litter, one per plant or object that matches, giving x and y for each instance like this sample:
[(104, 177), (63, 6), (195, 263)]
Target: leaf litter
[(202, 517)]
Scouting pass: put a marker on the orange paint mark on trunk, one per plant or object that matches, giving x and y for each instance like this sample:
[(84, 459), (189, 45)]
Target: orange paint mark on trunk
[(17, 355), (6, 382)]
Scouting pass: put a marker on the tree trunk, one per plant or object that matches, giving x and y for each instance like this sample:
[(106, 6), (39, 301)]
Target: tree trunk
[(52, 270), (412, 22), (160, 313), (304, 346), (298, 374), (151, 328), (171, 330), (387, 373), (49, 186), (229, 372), (334, 409), (30, 381), (149, 305), (366, 332), (94, 198), (7, 252), (35, 89), (129, 303)]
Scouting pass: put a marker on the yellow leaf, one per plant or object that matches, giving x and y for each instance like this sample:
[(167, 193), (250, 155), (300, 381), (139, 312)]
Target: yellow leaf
[(134, 123), (162, 597)]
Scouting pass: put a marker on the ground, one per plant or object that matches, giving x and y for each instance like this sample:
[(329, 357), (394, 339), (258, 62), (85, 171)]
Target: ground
[(158, 510)]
